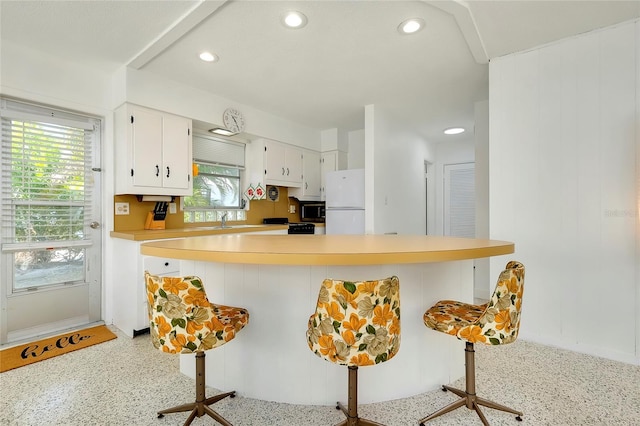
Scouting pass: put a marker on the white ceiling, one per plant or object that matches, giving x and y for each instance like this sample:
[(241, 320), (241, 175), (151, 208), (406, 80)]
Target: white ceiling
[(349, 55)]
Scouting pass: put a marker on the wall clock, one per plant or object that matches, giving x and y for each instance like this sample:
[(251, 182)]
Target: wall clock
[(233, 120)]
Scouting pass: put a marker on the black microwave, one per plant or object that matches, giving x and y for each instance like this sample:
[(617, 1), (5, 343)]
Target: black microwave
[(312, 211)]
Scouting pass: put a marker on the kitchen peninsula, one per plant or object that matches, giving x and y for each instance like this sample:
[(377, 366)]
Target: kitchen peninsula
[(277, 278)]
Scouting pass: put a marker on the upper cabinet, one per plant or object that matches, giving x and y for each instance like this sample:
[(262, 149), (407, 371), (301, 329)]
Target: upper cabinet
[(330, 162), (275, 163), (152, 152), (310, 189)]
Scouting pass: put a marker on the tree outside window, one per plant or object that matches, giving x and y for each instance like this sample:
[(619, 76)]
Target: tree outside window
[(216, 191)]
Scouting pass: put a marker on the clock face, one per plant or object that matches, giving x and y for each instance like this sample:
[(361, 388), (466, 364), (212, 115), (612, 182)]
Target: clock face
[(233, 120)]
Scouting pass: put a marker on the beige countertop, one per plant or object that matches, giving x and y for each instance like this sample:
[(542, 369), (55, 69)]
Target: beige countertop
[(163, 234), (326, 249)]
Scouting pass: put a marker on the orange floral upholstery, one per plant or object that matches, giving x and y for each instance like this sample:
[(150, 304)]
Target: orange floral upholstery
[(182, 320), (356, 323), (494, 323)]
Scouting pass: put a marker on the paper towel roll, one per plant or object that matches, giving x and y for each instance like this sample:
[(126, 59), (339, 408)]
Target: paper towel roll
[(166, 198)]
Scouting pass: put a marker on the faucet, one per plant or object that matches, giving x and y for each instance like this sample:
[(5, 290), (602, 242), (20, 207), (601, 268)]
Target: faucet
[(223, 222)]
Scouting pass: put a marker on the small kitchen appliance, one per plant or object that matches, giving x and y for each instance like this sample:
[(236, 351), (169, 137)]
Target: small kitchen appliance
[(312, 211)]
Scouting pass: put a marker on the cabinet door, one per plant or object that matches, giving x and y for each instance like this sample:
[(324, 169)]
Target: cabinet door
[(274, 162), (310, 189), (293, 165), (176, 152), (328, 164), (146, 138), (311, 174)]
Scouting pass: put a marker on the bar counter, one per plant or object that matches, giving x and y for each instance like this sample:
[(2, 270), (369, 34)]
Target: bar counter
[(326, 249), (277, 278)]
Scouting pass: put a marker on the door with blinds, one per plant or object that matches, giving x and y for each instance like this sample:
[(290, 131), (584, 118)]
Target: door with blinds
[(460, 200), (51, 236)]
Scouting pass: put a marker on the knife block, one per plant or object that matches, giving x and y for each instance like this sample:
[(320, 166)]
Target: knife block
[(153, 224)]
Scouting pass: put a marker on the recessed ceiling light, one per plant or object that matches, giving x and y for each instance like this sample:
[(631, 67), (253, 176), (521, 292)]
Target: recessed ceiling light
[(294, 19), (208, 57), (221, 131), (411, 26), (453, 131)]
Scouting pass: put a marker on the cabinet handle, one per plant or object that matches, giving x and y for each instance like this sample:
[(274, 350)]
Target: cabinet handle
[(287, 171), (306, 185), (283, 171), (157, 171), (168, 172)]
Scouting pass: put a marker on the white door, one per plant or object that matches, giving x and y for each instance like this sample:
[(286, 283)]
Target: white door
[(51, 236), (459, 200)]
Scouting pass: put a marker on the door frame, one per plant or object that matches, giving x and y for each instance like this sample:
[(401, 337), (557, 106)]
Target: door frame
[(92, 287)]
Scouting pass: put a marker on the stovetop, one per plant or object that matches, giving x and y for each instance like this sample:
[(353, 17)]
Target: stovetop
[(294, 227), (302, 228)]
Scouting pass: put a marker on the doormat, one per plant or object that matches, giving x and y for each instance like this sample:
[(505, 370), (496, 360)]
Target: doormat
[(19, 356)]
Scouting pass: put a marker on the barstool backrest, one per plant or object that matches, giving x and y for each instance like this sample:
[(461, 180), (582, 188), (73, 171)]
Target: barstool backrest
[(182, 320), (500, 322), (356, 323)]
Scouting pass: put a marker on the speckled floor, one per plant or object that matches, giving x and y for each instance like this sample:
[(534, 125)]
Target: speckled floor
[(124, 381)]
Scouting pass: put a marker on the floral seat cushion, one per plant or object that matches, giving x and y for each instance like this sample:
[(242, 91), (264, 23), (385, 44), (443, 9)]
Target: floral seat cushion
[(182, 320), (356, 323), (494, 323)]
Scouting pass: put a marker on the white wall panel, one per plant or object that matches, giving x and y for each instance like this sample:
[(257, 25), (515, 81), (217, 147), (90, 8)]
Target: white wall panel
[(563, 184), (270, 359)]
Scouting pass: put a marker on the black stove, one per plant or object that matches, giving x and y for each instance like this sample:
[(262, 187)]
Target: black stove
[(302, 228), (294, 228)]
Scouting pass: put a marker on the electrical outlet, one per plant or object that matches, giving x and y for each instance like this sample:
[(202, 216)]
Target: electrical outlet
[(172, 208), (122, 208), (292, 208)]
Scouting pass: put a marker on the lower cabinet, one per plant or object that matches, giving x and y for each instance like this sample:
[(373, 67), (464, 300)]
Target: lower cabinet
[(130, 296)]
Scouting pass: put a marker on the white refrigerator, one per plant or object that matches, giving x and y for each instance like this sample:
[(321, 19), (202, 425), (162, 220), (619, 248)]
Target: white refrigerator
[(344, 202)]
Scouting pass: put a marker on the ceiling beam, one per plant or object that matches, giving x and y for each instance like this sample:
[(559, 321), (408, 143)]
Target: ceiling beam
[(464, 18), (175, 32)]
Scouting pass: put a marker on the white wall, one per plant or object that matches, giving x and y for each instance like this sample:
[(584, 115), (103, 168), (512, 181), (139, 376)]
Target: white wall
[(146, 89), (483, 283), (564, 186), (398, 183)]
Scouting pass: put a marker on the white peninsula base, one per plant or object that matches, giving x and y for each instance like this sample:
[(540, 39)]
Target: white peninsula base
[(270, 360)]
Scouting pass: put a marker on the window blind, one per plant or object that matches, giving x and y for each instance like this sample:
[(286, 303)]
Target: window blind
[(46, 171), (217, 151)]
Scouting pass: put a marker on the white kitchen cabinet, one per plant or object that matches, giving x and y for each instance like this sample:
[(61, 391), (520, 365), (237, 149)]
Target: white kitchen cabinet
[(130, 298), (330, 162), (274, 163), (129, 294), (310, 189), (152, 152)]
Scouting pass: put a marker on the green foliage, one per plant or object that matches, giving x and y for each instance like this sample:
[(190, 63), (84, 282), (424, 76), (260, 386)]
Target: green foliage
[(215, 187), (47, 183)]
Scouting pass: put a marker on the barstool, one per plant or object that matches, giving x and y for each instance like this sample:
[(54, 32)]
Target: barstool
[(182, 320), (356, 324), (494, 323)]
